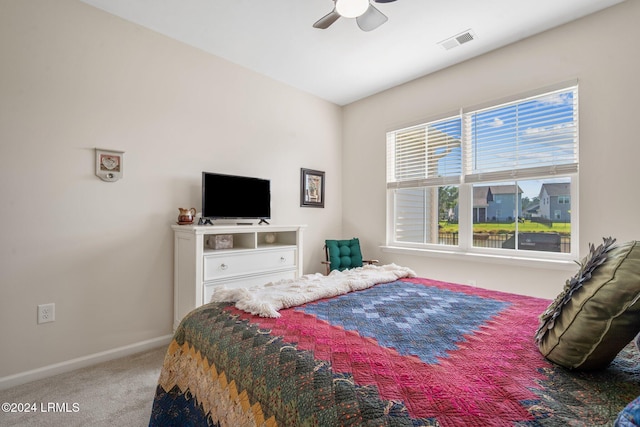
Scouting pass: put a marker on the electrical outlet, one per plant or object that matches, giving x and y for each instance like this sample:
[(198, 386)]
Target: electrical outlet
[(46, 313)]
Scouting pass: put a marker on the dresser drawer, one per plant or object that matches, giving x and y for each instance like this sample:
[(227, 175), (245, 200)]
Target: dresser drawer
[(246, 282), (231, 264)]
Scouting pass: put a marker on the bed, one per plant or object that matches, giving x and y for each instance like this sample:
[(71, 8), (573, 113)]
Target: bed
[(408, 352)]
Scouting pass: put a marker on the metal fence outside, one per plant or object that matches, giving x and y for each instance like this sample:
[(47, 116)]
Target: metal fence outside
[(494, 240)]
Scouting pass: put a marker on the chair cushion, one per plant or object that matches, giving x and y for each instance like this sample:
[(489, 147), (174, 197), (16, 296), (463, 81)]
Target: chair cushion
[(598, 313), (344, 254)]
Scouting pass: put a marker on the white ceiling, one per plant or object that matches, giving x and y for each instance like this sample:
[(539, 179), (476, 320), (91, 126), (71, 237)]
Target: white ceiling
[(342, 63)]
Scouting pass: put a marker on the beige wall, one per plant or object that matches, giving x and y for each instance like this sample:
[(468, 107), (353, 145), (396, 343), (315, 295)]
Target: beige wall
[(73, 78), (598, 51)]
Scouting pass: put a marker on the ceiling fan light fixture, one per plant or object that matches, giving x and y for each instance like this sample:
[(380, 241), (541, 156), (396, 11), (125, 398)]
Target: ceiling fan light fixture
[(351, 8)]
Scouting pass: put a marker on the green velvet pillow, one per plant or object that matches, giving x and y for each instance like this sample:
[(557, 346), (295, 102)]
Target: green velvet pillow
[(598, 312), (344, 254)]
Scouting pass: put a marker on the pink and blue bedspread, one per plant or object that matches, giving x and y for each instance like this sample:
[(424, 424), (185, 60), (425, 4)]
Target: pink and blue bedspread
[(414, 352)]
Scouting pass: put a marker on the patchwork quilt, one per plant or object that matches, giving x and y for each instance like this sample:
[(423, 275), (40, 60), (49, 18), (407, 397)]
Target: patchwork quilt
[(411, 352)]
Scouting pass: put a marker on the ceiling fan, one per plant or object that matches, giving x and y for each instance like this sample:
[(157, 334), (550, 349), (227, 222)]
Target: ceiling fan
[(367, 16)]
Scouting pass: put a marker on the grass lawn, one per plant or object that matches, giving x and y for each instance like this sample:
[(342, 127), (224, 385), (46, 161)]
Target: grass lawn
[(527, 227)]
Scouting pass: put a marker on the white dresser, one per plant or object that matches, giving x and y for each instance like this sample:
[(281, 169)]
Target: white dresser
[(259, 254)]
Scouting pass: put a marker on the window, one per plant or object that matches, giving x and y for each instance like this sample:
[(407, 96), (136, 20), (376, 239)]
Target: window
[(423, 175), (490, 180)]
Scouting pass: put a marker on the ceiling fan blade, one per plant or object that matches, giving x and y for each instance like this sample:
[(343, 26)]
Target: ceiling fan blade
[(371, 19), (324, 22)]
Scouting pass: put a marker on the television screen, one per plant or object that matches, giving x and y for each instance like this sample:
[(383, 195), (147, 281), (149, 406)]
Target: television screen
[(231, 196)]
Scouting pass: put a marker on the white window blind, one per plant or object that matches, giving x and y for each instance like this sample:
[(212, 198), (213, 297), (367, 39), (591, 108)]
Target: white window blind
[(530, 137), (429, 154), (411, 205)]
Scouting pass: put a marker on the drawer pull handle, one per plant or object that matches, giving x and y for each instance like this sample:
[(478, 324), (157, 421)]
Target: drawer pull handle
[(283, 259), (223, 266)]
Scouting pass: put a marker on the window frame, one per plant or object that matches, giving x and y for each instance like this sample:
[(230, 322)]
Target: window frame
[(465, 195)]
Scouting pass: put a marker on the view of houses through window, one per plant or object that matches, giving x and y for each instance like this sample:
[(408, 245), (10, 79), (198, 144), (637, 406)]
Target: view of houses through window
[(513, 163), (538, 210)]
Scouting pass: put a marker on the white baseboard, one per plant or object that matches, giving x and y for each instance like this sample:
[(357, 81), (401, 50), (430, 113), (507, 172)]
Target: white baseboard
[(82, 362)]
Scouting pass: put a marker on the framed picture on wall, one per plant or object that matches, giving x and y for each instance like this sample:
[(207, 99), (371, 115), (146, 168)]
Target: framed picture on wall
[(311, 188)]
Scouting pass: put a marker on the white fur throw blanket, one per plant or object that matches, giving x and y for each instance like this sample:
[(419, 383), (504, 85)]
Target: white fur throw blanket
[(266, 300)]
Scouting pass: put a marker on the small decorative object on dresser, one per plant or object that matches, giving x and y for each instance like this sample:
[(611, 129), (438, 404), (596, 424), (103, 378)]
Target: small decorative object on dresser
[(186, 216), (270, 238), (222, 241)]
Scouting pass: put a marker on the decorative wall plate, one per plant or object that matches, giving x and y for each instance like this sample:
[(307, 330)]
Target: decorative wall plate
[(109, 164)]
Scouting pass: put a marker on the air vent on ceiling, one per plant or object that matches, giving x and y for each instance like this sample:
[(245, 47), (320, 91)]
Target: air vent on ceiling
[(457, 40)]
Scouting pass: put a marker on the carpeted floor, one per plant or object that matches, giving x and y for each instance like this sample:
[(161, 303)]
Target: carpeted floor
[(115, 393)]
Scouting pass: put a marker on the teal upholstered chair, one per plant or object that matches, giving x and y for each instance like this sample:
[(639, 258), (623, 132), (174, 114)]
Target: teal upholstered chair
[(344, 254)]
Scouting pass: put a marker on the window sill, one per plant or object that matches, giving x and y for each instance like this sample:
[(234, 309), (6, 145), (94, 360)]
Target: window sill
[(531, 262)]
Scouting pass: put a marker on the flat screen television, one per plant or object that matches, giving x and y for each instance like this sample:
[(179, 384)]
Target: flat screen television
[(235, 197)]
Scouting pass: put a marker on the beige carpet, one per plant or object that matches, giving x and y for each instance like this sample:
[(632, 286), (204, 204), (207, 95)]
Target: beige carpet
[(115, 393)]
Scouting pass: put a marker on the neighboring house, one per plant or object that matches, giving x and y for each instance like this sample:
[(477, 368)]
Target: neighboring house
[(496, 203), (532, 211), (555, 202)]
